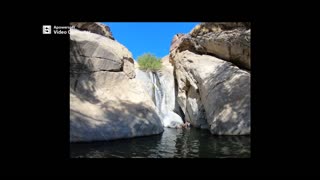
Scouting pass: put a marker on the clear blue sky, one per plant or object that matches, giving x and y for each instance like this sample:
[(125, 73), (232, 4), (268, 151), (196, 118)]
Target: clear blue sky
[(146, 37)]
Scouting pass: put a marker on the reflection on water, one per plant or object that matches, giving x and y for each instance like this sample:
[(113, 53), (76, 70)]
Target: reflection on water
[(172, 143)]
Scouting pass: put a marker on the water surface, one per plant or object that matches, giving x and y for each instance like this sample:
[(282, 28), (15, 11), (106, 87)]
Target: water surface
[(172, 143)]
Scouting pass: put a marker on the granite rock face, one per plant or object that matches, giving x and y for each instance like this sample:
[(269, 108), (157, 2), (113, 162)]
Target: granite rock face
[(214, 86), (227, 41), (94, 27), (106, 101)]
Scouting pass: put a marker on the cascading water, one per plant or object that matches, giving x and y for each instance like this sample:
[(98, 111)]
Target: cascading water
[(168, 117), (157, 93)]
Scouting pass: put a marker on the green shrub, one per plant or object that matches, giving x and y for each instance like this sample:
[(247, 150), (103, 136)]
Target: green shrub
[(149, 62)]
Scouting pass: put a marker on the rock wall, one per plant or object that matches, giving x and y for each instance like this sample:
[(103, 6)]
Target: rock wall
[(214, 93), (106, 100), (97, 28)]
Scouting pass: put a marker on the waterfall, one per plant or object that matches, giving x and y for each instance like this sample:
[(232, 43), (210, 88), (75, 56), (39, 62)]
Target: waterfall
[(157, 92), (168, 117)]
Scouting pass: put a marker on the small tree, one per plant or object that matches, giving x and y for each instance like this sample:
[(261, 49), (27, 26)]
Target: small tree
[(149, 62)]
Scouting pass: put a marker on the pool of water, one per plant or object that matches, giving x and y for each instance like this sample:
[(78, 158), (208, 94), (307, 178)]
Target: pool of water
[(172, 143)]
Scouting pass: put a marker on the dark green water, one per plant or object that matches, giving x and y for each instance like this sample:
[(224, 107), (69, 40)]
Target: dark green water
[(172, 143)]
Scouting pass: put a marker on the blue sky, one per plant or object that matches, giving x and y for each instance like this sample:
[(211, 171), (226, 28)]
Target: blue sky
[(146, 37)]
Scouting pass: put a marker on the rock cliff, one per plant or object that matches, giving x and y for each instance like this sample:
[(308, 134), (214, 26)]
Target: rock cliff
[(211, 67), (106, 100)]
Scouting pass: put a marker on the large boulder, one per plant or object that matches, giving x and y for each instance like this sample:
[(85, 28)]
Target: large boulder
[(227, 41), (213, 89), (94, 27), (220, 94), (106, 101), (91, 52)]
